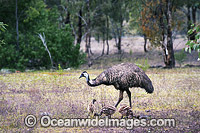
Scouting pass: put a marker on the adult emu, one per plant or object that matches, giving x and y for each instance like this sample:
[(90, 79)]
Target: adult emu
[(122, 77)]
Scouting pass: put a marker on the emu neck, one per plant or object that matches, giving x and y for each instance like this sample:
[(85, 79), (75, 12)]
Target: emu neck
[(90, 82), (87, 78)]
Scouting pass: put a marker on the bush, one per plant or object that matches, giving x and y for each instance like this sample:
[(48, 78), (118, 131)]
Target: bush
[(60, 45), (32, 53), (180, 57), (7, 52)]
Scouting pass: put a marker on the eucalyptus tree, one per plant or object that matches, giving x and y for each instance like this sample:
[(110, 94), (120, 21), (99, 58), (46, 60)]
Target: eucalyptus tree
[(156, 22), (118, 15)]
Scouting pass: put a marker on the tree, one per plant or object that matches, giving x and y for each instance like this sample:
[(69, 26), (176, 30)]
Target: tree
[(104, 13), (170, 60), (88, 29), (77, 12), (119, 14), (59, 41), (98, 18), (194, 44), (36, 17), (192, 6), (79, 27), (135, 20), (101, 24), (157, 21), (17, 23)]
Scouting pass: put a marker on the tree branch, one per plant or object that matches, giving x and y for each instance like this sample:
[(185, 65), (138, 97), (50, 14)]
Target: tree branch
[(45, 45)]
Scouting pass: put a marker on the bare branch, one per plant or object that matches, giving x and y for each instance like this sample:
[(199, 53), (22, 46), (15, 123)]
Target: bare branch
[(45, 45), (82, 19), (74, 33)]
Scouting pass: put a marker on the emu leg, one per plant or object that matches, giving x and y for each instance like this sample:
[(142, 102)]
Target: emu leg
[(101, 113), (89, 114), (129, 96), (120, 97)]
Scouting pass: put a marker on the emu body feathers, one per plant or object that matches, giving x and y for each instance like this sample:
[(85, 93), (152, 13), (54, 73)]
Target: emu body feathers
[(122, 77)]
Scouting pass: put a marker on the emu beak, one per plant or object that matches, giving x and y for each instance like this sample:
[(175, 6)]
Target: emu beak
[(81, 76)]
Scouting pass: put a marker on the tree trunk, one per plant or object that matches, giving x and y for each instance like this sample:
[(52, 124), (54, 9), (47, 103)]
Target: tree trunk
[(86, 46), (170, 61), (103, 45), (107, 47), (119, 44), (79, 27), (188, 19), (89, 43), (162, 25), (145, 43), (88, 30), (194, 10), (67, 20), (120, 37), (107, 34), (17, 25)]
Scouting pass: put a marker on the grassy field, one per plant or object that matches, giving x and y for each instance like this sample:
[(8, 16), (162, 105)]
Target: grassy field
[(64, 95)]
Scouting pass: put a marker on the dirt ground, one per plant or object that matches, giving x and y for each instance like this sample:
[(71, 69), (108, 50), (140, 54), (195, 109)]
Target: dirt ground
[(133, 49)]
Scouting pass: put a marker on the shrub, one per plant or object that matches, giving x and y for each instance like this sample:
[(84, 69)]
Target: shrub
[(32, 53), (180, 57)]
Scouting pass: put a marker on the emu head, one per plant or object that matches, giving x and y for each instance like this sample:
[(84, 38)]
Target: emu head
[(84, 74), (94, 100)]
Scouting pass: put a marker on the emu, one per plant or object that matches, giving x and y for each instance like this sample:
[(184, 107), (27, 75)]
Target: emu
[(91, 108), (126, 111), (122, 76), (107, 110)]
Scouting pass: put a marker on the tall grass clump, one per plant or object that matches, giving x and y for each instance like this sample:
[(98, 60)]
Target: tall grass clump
[(142, 63)]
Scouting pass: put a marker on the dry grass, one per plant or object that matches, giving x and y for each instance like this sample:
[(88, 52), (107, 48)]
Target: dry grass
[(63, 95)]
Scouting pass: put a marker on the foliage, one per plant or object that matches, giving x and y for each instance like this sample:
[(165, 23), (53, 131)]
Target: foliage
[(2, 29), (152, 23), (100, 19), (7, 53), (157, 23), (194, 44), (142, 63), (38, 18), (2, 26), (180, 57)]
